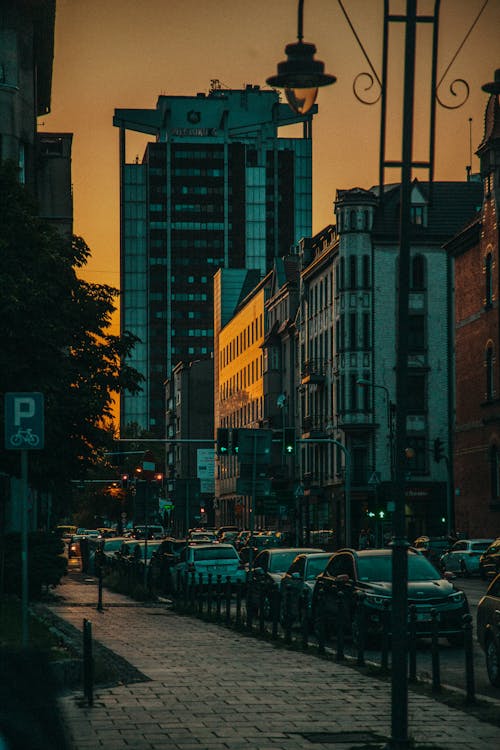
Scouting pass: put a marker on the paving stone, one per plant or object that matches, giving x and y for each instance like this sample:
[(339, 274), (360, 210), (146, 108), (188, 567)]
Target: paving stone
[(214, 689)]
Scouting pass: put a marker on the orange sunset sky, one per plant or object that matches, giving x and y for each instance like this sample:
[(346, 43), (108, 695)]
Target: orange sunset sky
[(125, 53)]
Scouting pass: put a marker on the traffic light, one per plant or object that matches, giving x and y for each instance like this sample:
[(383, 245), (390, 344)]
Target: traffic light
[(234, 442), (222, 441), (124, 481), (438, 450), (289, 440)]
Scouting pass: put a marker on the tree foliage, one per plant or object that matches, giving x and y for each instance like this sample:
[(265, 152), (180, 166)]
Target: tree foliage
[(54, 328)]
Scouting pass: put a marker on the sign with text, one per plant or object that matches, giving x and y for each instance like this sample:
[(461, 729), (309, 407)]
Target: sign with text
[(205, 459), (24, 421)]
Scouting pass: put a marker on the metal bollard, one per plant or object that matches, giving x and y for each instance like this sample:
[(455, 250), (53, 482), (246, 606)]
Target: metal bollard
[(200, 594), (238, 604), (228, 601), (218, 597), (341, 626), (288, 619), (320, 623), (386, 622), (99, 591), (275, 612), (304, 622), (436, 666), (192, 592), (88, 663), (412, 644), (209, 596), (469, 660), (262, 624), (359, 629), (249, 606)]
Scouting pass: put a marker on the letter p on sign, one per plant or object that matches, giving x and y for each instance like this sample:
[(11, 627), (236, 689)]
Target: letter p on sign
[(24, 421)]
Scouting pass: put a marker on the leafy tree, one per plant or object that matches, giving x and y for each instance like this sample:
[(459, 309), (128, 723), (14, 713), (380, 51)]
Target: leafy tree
[(54, 328)]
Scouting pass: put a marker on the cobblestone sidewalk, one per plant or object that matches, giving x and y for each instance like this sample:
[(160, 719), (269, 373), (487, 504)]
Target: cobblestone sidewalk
[(210, 688)]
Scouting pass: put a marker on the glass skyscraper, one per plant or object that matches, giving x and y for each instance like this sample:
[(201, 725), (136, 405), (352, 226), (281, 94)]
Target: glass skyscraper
[(217, 188)]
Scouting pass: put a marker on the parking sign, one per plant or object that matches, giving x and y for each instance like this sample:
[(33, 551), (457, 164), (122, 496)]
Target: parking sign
[(24, 421)]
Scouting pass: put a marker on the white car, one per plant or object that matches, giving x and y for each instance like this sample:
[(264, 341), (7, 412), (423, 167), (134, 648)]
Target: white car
[(464, 556), (203, 559)]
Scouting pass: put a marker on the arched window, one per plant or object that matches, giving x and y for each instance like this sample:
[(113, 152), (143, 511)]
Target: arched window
[(488, 263), (418, 272), (494, 467), (490, 381)]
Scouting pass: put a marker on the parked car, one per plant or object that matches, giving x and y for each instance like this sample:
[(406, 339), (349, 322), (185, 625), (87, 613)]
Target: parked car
[(163, 561), (202, 537), (266, 572), (154, 532), (369, 572), (433, 547), (488, 629), (297, 585), (464, 556), (110, 547), (222, 529), (203, 559), (489, 562)]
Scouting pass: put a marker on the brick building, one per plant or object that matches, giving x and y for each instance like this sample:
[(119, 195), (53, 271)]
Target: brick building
[(477, 341)]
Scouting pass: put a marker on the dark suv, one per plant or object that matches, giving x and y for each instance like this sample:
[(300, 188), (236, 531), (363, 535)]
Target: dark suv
[(369, 572), (489, 562)]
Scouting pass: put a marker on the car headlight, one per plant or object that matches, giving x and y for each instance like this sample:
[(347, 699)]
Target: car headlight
[(457, 597), (375, 600)]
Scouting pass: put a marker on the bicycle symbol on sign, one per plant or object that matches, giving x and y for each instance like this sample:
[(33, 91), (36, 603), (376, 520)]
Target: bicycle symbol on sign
[(24, 436)]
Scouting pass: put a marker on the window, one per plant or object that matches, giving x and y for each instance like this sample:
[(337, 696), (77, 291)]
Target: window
[(353, 333), (354, 387), (419, 215), (489, 373), (416, 393), (366, 330), (418, 273), (488, 263), (416, 333), (494, 479), (417, 464), (353, 268), (366, 271)]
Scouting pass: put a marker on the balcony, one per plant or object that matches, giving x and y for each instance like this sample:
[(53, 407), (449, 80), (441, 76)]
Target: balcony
[(313, 372), (314, 427)]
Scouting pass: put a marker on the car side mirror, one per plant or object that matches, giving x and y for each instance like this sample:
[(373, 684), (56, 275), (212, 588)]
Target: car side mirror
[(258, 571), (295, 575)]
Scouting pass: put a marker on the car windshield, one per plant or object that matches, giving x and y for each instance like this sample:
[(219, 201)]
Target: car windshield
[(216, 553), (379, 568), (281, 561), (480, 546), (316, 565)]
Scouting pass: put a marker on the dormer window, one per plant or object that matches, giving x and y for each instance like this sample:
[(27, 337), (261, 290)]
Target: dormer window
[(418, 215)]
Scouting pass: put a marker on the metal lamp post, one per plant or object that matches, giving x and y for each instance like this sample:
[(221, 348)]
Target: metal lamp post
[(297, 74), (391, 408)]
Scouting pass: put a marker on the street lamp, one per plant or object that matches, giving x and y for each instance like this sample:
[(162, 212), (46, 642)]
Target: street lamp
[(391, 410), (291, 77)]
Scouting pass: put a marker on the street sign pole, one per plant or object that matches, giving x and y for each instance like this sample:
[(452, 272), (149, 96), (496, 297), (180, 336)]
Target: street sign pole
[(24, 546)]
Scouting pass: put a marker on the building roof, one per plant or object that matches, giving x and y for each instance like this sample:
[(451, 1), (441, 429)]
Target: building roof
[(450, 206)]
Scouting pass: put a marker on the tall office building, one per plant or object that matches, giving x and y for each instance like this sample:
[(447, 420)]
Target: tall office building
[(217, 188)]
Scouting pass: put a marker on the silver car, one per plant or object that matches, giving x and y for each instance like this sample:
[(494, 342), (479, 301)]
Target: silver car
[(463, 557), (201, 560)]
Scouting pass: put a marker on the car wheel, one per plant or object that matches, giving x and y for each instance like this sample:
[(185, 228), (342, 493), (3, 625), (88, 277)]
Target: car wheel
[(492, 653)]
